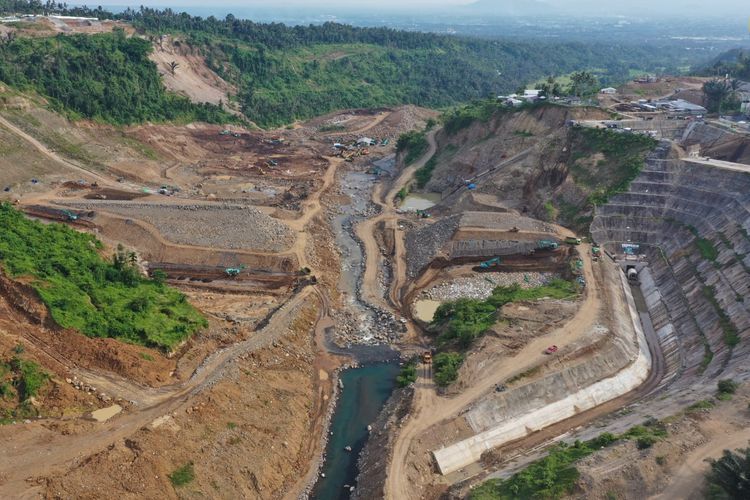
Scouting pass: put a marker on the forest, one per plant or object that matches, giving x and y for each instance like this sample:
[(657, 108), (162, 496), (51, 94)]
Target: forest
[(84, 292), (286, 73), (106, 77)]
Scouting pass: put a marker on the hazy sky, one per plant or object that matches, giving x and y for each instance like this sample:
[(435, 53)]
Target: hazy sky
[(632, 8)]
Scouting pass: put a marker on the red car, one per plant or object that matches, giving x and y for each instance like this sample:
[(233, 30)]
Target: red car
[(551, 350)]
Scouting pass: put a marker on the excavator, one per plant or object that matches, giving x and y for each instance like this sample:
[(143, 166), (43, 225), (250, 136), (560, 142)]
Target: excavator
[(233, 272), (490, 263)]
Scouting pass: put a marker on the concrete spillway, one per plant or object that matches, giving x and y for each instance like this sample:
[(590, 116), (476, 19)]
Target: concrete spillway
[(623, 367)]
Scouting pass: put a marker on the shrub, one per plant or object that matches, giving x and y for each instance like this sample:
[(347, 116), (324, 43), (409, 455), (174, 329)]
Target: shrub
[(446, 365), (728, 477), (182, 475), (408, 374), (87, 293), (727, 386)]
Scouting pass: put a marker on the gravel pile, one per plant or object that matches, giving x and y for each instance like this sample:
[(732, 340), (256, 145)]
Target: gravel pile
[(481, 285), (219, 226), (423, 244)]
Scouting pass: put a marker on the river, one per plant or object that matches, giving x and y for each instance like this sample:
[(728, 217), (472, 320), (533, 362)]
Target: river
[(366, 389)]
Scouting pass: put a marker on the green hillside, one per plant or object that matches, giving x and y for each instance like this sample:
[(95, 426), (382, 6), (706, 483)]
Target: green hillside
[(287, 73), (85, 292), (106, 77)]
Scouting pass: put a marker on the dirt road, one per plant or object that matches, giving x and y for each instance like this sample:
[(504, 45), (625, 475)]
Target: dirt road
[(430, 409), (366, 233), (87, 174), (36, 450), (688, 482)]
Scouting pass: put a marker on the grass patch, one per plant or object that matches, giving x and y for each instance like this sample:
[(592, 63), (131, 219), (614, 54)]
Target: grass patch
[(182, 475), (20, 380), (624, 159), (408, 374), (332, 128), (464, 320), (145, 356), (550, 477), (528, 373), (726, 389), (446, 365), (423, 175), (84, 292), (555, 475), (413, 144), (731, 335), (699, 406)]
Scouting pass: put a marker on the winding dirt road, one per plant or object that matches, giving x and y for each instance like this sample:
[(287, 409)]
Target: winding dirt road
[(687, 483), (366, 233), (36, 450), (430, 409)]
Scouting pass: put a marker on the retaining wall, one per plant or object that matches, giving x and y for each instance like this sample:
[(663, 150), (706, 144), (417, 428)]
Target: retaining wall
[(468, 451)]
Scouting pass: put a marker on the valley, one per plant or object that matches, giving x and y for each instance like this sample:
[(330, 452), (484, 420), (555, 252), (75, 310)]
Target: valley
[(207, 293)]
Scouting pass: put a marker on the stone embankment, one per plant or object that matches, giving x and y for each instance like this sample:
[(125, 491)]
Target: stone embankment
[(216, 225)]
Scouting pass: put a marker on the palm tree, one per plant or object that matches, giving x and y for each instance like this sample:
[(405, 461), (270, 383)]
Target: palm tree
[(729, 477), (716, 91)]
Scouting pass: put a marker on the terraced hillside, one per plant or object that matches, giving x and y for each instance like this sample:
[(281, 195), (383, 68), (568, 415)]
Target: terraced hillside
[(691, 220)]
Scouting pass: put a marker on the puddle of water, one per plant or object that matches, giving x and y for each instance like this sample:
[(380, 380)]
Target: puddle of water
[(420, 201), (106, 413), (424, 310)]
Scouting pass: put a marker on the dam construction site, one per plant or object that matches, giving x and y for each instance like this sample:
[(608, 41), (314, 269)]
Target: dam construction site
[(389, 302)]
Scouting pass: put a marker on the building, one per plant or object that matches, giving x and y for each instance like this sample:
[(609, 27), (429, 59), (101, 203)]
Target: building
[(366, 141), (745, 107), (608, 91), (678, 106)]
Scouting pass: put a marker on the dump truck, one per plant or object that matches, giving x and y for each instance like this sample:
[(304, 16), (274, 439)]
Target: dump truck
[(427, 357), (571, 240), (546, 245)]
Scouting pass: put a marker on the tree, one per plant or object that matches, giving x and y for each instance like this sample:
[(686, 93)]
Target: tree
[(551, 87), (716, 92), (583, 83), (173, 66), (729, 477)]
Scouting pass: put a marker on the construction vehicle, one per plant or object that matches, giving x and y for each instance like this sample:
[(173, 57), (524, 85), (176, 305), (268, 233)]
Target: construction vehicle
[(490, 263), (596, 250), (551, 349), (546, 245), (225, 132), (514, 229), (70, 215), (571, 240), (233, 272), (632, 274), (581, 281), (579, 264), (427, 357), (423, 214)]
